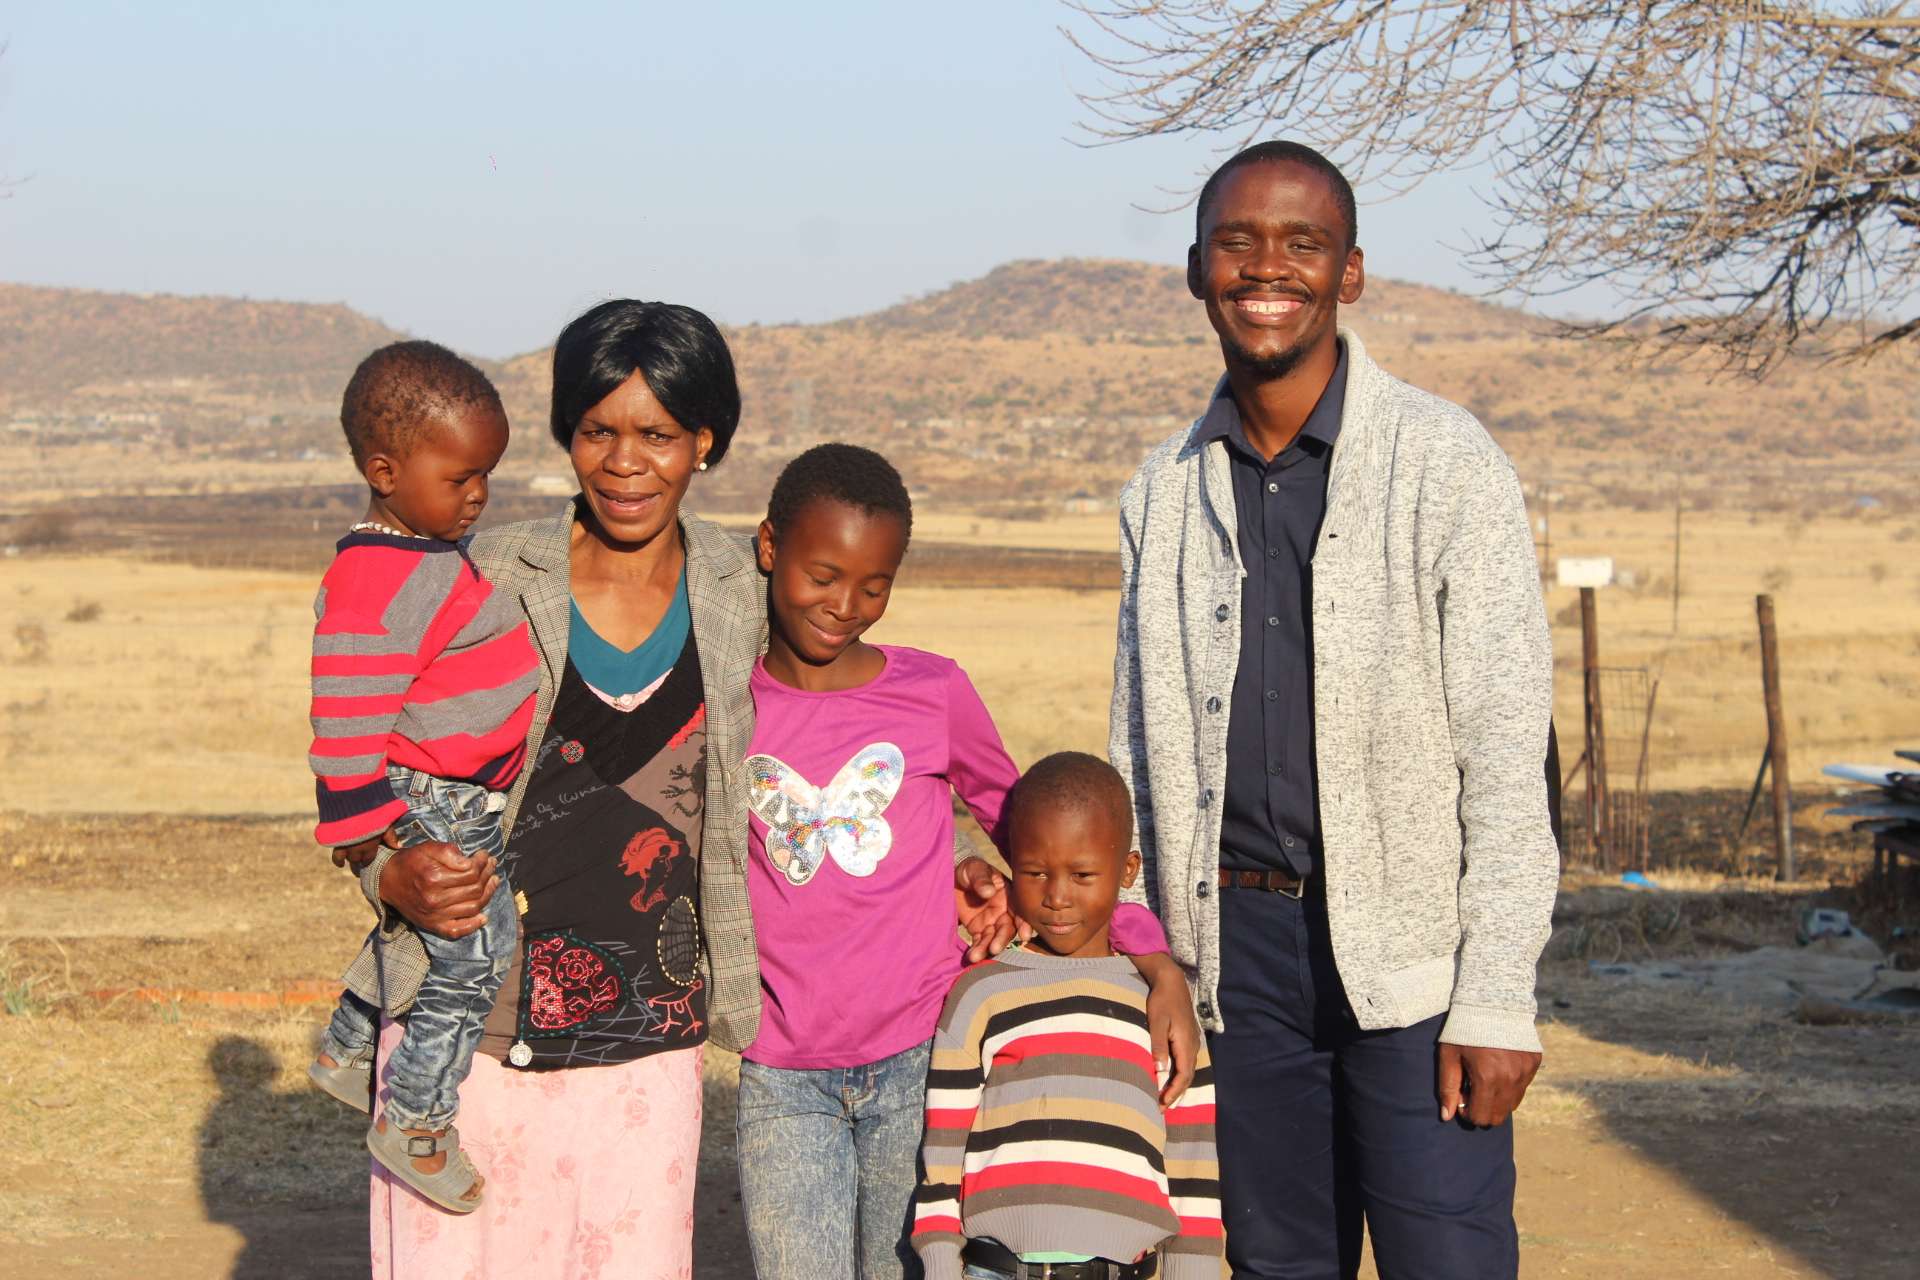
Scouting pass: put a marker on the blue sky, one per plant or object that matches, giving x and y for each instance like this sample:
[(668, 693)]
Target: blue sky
[(478, 173)]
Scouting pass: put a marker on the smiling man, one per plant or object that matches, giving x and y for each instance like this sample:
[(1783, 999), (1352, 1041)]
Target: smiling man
[(1332, 701)]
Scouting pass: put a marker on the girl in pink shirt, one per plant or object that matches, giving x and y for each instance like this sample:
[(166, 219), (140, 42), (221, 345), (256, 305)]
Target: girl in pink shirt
[(856, 754)]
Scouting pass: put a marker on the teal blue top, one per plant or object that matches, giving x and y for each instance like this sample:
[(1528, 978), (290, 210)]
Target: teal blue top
[(614, 671)]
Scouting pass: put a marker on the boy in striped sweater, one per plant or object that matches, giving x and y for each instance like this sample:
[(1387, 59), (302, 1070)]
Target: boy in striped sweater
[(423, 692), (1048, 1152)]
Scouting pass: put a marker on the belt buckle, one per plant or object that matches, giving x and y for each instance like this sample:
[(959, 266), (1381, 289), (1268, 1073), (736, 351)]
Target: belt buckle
[(1298, 891)]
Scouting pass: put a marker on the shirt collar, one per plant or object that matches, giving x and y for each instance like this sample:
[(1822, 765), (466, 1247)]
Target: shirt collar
[(1222, 419)]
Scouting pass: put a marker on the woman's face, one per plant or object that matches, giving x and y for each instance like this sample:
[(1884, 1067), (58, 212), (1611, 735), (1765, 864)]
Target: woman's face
[(634, 462)]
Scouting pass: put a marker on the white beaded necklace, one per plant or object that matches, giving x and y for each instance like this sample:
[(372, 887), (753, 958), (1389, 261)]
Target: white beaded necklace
[(374, 526)]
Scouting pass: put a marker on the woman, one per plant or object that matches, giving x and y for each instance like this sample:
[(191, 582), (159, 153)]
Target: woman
[(628, 834)]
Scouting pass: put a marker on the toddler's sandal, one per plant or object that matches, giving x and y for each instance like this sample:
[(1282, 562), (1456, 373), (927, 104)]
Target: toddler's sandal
[(348, 1082), (396, 1150)]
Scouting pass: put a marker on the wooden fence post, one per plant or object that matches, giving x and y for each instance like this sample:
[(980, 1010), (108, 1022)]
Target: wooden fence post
[(1776, 741), (1597, 814)]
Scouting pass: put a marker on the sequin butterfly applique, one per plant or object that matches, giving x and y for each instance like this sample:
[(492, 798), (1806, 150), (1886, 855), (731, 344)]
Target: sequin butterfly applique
[(806, 824)]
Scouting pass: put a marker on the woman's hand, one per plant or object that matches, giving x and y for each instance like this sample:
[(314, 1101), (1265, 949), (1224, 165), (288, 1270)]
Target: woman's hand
[(980, 901), (438, 888), (1170, 1021)]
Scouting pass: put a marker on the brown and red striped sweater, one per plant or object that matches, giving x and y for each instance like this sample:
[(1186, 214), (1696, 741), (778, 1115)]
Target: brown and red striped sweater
[(416, 662), (1044, 1125)]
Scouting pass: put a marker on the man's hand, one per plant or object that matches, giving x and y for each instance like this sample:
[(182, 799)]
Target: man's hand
[(355, 856), (980, 901), (1170, 1023), (439, 889), (1483, 1085)]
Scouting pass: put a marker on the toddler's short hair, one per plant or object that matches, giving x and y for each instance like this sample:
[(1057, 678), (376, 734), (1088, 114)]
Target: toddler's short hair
[(404, 388), (1074, 780), (839, 473)]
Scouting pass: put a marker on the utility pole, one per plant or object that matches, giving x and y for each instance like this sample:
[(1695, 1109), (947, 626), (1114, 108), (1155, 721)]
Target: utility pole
[(1776, 761), (1597, 814)]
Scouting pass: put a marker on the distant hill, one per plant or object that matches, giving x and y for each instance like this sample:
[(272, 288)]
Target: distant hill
[(1120, 301), (1036, 384), (57, 342)]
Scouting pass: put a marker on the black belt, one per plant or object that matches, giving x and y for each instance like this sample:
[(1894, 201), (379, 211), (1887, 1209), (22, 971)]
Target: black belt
[(995, 1256), (1272, 881)]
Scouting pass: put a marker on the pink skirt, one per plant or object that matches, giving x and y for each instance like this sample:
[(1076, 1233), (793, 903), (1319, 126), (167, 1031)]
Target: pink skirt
[(589, 1171)]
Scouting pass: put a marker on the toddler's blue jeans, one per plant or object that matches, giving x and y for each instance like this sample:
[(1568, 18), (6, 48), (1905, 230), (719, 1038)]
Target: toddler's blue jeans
[(463, 974)]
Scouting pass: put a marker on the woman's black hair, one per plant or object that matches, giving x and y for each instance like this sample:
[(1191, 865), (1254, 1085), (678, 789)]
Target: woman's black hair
[(676, 349), (844, 473)]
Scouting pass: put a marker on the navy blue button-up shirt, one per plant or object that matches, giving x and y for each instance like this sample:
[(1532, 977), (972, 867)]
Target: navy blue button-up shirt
[(1271, 818)]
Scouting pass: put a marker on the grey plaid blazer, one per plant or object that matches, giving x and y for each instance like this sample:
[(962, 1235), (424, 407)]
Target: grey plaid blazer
[(728, 601)]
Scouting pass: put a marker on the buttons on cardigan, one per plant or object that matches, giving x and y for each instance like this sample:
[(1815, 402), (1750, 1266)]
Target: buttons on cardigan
[(1206, 797), (1202, 889), (1206, 1008), (1220, 614), (1213, 704)]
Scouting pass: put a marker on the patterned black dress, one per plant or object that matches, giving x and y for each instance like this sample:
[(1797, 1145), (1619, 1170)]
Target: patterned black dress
[(604, 856)]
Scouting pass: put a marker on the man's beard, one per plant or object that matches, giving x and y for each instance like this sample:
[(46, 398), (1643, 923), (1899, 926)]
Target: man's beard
[(1274, 366)]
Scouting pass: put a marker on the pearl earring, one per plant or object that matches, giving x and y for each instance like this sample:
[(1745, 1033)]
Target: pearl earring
[(700, 466)]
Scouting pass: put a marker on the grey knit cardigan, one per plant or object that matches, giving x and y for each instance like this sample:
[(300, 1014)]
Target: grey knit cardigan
[(1433, 684)]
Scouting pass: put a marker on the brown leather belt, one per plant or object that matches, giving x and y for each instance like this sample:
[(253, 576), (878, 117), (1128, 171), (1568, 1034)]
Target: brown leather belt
[(1272, 881)]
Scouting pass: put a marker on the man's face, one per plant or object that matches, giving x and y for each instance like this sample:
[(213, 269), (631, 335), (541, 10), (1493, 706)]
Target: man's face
[(1273, 266)]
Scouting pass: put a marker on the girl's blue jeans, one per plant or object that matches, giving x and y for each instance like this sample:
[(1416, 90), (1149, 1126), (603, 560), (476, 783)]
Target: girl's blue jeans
[(463, 974), (828, 1164)]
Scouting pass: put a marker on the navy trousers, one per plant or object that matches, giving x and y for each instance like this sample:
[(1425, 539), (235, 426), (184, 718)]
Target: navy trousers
[(1323, 1126)]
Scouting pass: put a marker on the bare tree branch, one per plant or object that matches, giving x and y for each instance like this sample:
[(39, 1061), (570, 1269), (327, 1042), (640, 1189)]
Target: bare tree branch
[(1743, 175)]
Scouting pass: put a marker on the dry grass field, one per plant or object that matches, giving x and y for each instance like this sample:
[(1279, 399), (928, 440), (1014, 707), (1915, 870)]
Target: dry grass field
[(167, 929), (201, 672)]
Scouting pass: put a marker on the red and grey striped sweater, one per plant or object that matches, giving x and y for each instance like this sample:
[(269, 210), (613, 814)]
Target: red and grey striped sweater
[(416, 662), (1044, 1126)]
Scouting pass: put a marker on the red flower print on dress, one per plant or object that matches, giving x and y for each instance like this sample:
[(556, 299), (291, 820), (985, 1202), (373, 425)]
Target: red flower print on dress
[(649, 855), (572, 981)]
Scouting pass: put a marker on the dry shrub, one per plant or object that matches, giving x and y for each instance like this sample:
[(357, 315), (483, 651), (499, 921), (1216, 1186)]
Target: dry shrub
[(43, 529), (31, 640), (84, 611)]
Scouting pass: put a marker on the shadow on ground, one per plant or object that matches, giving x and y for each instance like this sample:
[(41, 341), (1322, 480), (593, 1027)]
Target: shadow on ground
[(1806, 1134), (247, 1182)]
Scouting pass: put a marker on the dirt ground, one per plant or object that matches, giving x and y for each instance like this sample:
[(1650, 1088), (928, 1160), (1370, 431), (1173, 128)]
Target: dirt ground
[(164, 970), (169, 1132)]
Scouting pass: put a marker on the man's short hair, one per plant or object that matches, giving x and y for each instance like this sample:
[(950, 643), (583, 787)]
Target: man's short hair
[(404, 389), (1078, 781), (845, 473), (1283, 153)]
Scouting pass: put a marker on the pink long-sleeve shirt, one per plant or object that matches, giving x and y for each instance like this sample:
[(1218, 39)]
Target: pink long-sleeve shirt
[(850, 856)]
